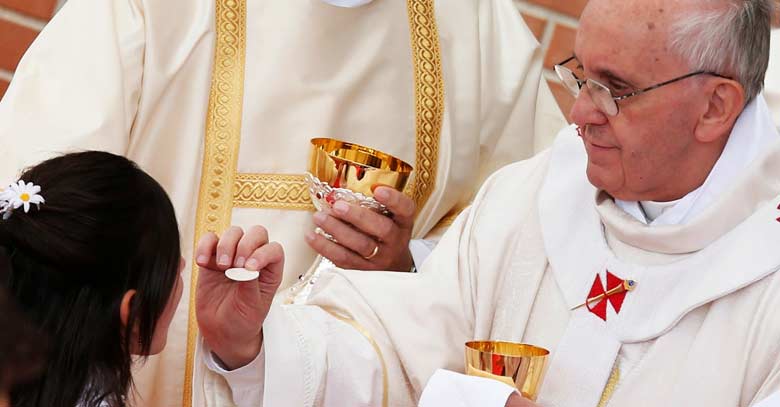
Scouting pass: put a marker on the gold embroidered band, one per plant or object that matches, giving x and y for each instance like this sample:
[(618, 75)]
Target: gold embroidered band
[(429, 97), (220, 155), (612, 383), (289, 191), (275, 191)]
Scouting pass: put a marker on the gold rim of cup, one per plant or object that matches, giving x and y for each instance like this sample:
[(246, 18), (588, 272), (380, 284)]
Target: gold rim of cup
[(358, 168), (519, 365)]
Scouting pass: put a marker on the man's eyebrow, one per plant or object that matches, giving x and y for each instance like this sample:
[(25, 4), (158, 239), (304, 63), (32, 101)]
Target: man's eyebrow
[(613, 77), (608, 75)]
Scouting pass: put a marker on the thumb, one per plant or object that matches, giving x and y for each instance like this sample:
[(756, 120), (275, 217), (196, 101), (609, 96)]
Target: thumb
[(402, 207), (269, 260)]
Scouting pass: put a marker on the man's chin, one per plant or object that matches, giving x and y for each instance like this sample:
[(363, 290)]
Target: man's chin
[(604, 181)]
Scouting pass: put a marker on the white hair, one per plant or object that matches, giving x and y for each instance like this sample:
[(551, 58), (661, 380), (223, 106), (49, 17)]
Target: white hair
[(731, 38)]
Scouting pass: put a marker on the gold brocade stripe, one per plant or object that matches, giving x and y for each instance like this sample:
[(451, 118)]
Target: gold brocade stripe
[(429, 97), (220, 155), (609, 389), (367, 335), (275, 191)]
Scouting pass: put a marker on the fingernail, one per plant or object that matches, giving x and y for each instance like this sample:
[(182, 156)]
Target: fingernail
[(240, 261), (203, 259), (341, 207), (382, 194), (224, 260), (251, 265), (320, 217)]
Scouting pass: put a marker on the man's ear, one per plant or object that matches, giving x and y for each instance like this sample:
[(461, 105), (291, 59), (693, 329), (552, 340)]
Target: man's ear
[(726, 101), (124, 307)]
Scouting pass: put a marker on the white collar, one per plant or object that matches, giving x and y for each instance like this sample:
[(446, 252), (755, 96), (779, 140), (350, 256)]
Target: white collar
[(653, 210), (743, 146)]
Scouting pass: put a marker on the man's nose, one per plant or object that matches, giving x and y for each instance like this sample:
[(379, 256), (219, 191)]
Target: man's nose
[(584, 112)]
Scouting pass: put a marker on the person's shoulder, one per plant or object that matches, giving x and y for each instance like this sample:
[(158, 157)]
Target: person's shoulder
[(531, 172), (515, 181), (525, 170)]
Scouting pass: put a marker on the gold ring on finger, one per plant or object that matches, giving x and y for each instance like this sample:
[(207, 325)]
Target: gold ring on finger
[(373, 254)]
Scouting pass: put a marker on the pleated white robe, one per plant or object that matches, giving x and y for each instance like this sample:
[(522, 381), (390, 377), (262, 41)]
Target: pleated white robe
[(700, 329)]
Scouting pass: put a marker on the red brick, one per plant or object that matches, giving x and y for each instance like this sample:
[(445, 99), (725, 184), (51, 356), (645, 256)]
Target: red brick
[(776, 20), (570, 7), (42, 9), (3, 88), (561, 45), (16, 40), (536, 25), (563, 97)]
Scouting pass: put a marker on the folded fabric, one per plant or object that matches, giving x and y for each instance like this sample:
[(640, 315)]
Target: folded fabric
[(446, 388)]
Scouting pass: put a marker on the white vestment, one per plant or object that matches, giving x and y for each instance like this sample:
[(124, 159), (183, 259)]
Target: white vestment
[(699, 329), (134, 77)]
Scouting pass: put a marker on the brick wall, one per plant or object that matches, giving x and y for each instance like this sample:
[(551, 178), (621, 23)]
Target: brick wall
[(20, 23), (552, 21)]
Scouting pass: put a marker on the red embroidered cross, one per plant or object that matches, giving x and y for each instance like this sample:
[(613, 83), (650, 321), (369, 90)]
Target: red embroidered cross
[(615, 294)]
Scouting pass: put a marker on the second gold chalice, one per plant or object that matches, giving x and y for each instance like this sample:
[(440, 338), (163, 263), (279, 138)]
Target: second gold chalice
[(519, 365), (349, 172)]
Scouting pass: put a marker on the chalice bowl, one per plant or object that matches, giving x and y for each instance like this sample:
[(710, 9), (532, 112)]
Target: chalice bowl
[(341, 171), (519, 365)]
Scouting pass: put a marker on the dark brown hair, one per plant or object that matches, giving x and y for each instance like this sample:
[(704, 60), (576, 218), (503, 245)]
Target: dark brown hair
[(22, 349), (106, 227)]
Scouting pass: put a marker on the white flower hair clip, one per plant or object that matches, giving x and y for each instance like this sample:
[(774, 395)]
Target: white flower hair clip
[(19, 195)]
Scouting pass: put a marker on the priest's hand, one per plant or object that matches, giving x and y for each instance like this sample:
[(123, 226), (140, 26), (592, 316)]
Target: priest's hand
[(230, 313), (367, 240), (516, 400)]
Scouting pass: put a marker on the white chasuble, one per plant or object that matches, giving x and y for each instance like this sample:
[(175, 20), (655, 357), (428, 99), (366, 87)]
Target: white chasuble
[(218, 99), (699, 328)]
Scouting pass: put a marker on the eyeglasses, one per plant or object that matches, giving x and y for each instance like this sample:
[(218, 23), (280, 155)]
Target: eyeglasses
[(601, 95)]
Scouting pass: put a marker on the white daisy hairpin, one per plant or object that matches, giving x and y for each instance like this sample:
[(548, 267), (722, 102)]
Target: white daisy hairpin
[(19, 195)]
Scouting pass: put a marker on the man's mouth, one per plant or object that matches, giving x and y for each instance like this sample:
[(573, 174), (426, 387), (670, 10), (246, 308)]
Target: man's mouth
[(588, 140)]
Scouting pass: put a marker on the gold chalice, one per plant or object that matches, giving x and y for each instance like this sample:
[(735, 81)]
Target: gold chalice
[(518, 365), (346, 171)]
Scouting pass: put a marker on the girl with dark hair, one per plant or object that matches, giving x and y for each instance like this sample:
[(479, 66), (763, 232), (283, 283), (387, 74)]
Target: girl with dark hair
[(93, 247)]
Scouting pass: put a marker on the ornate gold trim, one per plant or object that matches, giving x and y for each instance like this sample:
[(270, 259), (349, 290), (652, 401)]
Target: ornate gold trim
[(275, 191), (220, 154), (609, 389), (370, 338), (288, 191), (429, 97)]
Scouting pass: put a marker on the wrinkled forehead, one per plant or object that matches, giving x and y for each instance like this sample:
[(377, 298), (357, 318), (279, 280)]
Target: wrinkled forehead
[(629, 32)]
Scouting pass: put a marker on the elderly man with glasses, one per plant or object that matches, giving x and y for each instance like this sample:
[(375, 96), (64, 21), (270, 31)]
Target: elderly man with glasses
[(642, 249)]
